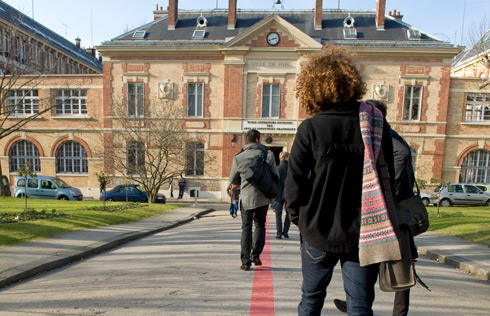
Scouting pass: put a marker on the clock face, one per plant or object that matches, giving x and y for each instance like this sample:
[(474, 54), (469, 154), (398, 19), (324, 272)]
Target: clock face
[(273, 38)]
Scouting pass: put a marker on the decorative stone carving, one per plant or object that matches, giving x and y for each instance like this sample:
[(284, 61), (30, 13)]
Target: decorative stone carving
[(381, 92), (166, 90)]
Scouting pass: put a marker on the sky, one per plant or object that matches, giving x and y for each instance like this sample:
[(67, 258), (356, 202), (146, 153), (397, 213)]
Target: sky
[(96, 21)]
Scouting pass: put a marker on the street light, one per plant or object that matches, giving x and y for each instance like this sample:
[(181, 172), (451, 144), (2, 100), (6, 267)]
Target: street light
[(233, 140)]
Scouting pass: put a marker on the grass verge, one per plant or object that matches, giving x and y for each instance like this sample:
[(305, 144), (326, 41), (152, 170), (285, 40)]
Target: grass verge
[(71, 215), (470, 223)]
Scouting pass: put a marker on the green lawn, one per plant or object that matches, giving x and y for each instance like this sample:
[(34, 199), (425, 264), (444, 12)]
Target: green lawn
[(470, 223), (70, 215)]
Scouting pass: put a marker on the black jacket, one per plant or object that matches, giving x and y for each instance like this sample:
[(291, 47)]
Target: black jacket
[(283, 173), (404, 175), (324, 183)]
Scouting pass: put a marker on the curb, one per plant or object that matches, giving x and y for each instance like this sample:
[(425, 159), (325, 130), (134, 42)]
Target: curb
[(31, 269), (460, 263)]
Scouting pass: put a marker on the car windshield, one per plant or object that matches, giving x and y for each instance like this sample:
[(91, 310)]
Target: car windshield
[(62, 184)]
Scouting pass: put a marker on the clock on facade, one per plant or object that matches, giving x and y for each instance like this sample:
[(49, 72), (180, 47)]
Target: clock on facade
[(273, 38)]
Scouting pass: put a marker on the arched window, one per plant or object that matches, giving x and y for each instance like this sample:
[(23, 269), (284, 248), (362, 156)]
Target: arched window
[(476, 167), (71, 157), (135, 157), (21, 152), (194, 159)]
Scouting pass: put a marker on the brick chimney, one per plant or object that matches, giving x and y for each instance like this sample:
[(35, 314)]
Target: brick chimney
[(380, 15), (77, 41), (232, 14), (318, 14), (396, 15), (173, 12)]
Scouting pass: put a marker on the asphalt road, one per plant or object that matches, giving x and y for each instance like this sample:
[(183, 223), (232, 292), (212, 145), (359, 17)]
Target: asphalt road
[(194, 270)]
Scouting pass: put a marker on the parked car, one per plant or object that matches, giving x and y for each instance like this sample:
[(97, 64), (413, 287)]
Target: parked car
[(425, 198), (130, 193), (483, 187), (44, 187), (462, 194)]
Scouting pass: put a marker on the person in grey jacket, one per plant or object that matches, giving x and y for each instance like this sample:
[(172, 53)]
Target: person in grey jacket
[(253, 204), (280, 198)]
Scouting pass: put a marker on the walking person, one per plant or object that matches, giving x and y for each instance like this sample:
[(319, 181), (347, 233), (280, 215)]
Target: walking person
[(233, 191), (404, 183), (171, 187), (182, 183), (253, 203), (331, 169), (279, 203)]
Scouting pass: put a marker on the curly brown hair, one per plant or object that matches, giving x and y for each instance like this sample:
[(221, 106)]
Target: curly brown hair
[(329, 78)]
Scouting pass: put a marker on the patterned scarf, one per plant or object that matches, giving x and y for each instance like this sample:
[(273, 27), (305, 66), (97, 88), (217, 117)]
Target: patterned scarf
[(377, 241)]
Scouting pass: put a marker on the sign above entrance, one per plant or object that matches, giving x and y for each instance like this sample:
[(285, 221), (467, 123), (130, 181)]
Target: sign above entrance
[(271, 65), (270, 126)]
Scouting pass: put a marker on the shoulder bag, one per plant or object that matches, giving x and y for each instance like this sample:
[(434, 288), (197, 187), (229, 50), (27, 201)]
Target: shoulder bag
[(413, 213), (260, 176)]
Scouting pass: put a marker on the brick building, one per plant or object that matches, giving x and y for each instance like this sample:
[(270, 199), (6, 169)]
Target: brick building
[(230, 70)]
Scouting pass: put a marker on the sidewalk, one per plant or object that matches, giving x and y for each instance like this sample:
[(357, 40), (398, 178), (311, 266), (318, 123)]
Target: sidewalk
[(26, 260)]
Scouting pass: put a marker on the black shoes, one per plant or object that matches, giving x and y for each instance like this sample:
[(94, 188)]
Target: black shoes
[(257, 262), (285, 235), (278, 236), (245, 267), (341, 305)]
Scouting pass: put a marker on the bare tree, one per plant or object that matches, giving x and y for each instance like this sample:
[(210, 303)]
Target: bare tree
[(479, 47), (19, 98), (148, 149)]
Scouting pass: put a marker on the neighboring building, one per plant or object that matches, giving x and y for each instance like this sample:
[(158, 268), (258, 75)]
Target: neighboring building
[(231, 70), (25, 44), (468, 125), (42, 70)]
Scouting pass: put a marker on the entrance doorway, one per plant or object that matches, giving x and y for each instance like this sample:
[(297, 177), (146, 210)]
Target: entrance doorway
[(276, 151)]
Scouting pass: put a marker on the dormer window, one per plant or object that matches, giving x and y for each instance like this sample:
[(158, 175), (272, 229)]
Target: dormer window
[(199, 34), (139, 34), (350, 33), (414, 34)]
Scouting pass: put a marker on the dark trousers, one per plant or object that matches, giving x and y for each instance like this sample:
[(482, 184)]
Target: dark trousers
[(401, 303), (252, 244), (318, 267), (278, 206)]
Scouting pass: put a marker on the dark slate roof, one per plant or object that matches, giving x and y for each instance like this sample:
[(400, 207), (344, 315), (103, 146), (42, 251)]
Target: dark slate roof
[(41, 32), (217, 32)]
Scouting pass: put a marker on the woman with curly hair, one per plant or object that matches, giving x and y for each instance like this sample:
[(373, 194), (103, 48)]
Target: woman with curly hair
[(325, 186)]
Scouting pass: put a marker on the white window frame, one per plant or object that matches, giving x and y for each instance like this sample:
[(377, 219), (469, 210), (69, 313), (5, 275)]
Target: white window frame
[(194, 165), (70, 102), (136, 99), (477, 110), (409, 102), (476, 167), (135, 157), (7, 44), (71, 157), (271, 101), (21, 152), (23, 102), (195, 99)]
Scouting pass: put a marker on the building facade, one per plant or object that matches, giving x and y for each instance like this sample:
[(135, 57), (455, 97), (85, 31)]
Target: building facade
[(229, 70)]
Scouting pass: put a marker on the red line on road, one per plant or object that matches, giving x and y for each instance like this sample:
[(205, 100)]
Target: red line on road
[(262, 301)]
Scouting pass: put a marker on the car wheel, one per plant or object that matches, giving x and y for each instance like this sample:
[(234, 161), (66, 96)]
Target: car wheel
[(109, 200), (425, 201), (63, 198), (488, 203), (445, 203)]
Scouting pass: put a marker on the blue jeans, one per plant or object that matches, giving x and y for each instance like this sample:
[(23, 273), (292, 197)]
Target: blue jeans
[(278, 206), (252, 244), (317, 268), (181, 192)]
